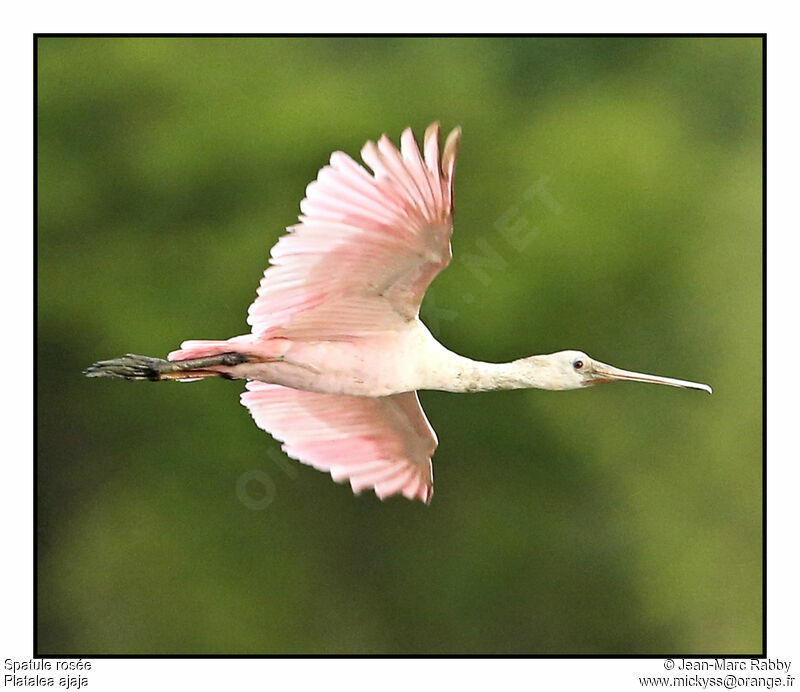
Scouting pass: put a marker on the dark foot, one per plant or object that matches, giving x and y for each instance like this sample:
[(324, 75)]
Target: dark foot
[(131, 367)]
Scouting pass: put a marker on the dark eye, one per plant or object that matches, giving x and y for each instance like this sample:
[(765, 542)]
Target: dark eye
[(578, 364)]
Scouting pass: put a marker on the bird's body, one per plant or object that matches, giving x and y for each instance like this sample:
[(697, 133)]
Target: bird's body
[(337, 351), (375, 365)]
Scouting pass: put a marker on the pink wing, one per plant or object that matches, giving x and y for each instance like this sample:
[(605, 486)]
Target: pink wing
[(367, 246), (382, 442)]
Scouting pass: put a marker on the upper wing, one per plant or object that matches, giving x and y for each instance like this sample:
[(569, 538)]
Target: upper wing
[(367, 246), (382, 442)]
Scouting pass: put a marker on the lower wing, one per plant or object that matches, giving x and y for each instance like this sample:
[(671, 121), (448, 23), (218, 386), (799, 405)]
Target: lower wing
[(385, 443)]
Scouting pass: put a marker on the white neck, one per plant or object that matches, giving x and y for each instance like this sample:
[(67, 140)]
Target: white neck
[(436, 367), (455, 373)]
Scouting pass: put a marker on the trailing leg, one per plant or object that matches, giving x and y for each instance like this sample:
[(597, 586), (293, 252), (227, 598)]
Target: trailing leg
[(135, 367)]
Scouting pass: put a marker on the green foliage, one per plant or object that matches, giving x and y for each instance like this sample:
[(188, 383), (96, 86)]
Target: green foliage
[(608, 199)]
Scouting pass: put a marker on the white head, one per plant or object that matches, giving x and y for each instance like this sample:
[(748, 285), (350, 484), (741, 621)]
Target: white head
[(574, 369)]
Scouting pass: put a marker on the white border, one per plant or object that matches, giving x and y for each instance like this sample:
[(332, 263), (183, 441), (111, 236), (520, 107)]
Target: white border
[(16, 637)]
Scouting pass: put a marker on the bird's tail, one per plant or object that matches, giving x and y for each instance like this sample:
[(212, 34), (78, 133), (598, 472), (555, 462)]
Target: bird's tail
[(134, 367)]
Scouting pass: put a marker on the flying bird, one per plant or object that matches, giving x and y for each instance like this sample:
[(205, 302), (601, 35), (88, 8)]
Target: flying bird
[(337, 351)]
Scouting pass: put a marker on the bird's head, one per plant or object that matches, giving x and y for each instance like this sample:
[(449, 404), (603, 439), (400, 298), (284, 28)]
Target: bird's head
[(575, 369)]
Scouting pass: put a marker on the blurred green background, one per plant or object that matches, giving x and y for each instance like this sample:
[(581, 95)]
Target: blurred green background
[(608, 199)]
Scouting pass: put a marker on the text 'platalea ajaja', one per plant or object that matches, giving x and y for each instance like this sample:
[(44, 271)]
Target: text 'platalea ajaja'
[(337, 351)]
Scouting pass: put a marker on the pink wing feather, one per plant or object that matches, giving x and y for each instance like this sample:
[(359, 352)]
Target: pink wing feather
[(380, 442), (359, 262), (367, 246)]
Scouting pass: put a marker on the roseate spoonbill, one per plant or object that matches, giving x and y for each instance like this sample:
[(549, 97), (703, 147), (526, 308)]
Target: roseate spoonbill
[(337, 351)]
